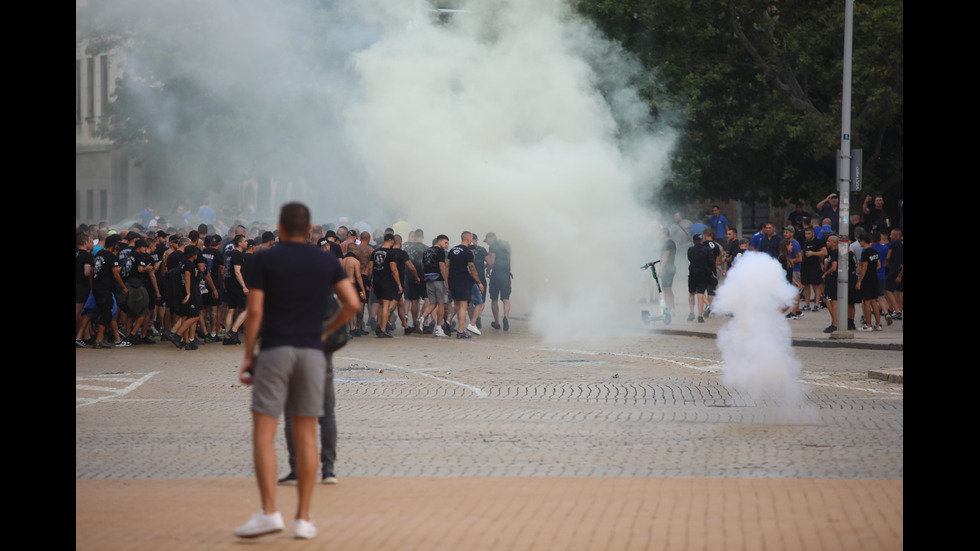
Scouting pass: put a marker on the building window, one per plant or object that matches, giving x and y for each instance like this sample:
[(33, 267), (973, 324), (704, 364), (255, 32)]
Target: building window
[(103, 204), (90, 88), (104, 67), (78, 91)]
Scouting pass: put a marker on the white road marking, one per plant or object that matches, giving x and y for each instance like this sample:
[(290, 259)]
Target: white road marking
[(480, 393), (111, 392), (711, 369)]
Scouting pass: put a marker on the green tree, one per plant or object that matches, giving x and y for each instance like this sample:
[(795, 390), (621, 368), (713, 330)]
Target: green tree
[(757, 85)]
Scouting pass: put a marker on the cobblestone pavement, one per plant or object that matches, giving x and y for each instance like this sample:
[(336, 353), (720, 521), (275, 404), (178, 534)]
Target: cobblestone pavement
[(642, 408)]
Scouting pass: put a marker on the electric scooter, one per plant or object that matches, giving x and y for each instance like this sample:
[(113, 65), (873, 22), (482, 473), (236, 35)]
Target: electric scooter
[(664, 311)]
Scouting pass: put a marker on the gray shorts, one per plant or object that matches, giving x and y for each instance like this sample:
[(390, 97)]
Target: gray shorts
[(436, 291), (286, 373)]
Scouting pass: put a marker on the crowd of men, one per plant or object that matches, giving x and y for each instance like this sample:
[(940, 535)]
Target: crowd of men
[(188, 286), (808, 251)]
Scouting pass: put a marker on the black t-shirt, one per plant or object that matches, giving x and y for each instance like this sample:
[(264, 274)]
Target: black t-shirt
[(381, 259), (297, 280), (870, 255), (431, 259), (415, 251), (701, 259), (82, 258), (459, 257), (479, 259), (102, 276), (400, 258), (142, 260), (501, 259), (217, 260), (812, 262), (897, 257), (669, 246), (236, 258)]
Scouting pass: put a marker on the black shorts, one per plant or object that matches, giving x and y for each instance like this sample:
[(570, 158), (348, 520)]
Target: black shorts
[(697, 283), (82, 292), (811, 275), (460, 288), (235, 296), (415, 291), (386, 289), (499, 288), (830, 288), (869, 289)]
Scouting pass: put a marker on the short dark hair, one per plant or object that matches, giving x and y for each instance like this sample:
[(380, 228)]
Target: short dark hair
[(295, 219)]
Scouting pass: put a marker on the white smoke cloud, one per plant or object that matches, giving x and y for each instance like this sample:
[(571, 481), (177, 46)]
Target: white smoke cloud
[(517, 117), (756, 343)]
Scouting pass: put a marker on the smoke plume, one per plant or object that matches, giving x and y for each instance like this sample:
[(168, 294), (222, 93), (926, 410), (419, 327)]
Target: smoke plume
[(756, 345), (516, 116)]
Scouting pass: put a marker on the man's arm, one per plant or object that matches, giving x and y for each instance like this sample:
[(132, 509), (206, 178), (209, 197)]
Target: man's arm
[(253, 322), (444, 270), (349, 304), (207, 278), (393, 266), (471, 268), (117, 275), (415, 273), (241, 280)]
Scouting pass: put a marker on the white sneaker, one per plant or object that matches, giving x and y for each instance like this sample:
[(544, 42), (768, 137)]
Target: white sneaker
[(420, 323), (438, 332), (303, 529), (865, 328), (472, 329), (261, 524)]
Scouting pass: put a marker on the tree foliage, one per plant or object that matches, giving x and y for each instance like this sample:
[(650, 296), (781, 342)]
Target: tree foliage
[(758, 87)]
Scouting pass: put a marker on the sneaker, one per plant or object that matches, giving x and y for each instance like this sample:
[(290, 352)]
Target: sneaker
[(877, 328), (473, 329), (446, 328), (191, 345), (80, 343), (506, 324), (888, 320), (101, 344), (806, 308), (438, 332), (420, 322), (261, 524), (385, 335), (706, 312), (851, 326), (288, 480), (123, 343), (830, 329), (179, 343), (865, 328), (329, 478), (690, 317), (409, 330), (495, 325), (463, 336), (303, 529), (700, 319), (896, 316)]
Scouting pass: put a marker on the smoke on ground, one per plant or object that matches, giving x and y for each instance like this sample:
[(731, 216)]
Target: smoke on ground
[(756, 343)]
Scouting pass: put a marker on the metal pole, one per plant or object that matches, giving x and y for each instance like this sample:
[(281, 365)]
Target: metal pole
[(844, 177)]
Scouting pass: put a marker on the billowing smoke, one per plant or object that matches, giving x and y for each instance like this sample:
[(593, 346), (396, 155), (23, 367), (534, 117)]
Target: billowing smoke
[(515, 117), (756, 344)]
